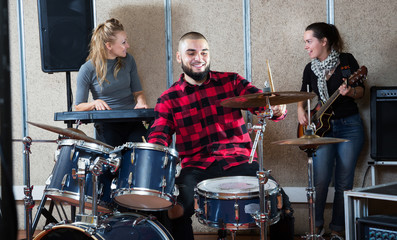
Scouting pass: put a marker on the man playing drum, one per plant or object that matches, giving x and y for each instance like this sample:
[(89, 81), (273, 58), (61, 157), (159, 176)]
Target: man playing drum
[(212, 140)]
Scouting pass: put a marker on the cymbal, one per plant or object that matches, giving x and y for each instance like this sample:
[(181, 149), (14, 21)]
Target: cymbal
[(260, 99), (33, 140), (309, 141), (70, 132)]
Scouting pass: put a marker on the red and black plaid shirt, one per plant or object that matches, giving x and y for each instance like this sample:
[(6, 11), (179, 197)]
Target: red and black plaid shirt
[(205, 130)]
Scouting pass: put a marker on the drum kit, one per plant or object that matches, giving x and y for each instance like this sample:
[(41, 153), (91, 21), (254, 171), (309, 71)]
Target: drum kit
[(93, 175), (90, 174)]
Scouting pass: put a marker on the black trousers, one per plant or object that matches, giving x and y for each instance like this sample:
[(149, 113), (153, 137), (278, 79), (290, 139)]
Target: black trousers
[(181, 228), (118, 133)]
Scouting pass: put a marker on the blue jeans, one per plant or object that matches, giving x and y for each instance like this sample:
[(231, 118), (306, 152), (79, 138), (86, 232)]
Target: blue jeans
[(341, 157), (118, 133)]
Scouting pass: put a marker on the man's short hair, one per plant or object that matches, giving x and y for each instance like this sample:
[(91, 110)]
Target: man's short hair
[(192, 35)]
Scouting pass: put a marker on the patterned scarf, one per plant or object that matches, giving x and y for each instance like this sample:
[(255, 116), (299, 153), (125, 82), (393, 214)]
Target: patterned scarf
[(320, 69)]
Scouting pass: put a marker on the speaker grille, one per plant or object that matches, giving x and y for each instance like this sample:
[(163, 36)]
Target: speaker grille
[(383, 125)]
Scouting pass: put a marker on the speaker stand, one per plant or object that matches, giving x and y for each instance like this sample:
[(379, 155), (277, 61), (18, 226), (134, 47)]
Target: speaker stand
[(69, 95)]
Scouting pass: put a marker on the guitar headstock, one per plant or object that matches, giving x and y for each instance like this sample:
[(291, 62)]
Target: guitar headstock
[(359, 75)]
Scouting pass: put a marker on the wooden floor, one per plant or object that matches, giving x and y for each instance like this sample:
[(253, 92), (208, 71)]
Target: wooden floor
[(22, 236)]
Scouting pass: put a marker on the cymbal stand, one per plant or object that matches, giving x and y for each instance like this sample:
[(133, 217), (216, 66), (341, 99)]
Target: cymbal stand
[(311, 195), (262, 217), (28, 200), (311, 191), (233, 234)]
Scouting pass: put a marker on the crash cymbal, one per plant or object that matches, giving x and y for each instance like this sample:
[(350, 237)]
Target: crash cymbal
[(259, 99), (36, 140), (308, 141), (70, 132)]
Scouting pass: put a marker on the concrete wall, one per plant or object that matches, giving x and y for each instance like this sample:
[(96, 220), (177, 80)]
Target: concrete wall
[(369, 29)]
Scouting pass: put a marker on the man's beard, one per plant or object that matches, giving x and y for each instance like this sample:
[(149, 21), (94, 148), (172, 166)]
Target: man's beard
[(197, 76)]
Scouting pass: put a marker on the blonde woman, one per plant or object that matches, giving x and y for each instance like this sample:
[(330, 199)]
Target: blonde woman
[(110, 74)]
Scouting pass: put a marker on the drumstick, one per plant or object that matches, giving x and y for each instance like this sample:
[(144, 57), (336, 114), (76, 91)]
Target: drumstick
[(144, 140), (269, 72)]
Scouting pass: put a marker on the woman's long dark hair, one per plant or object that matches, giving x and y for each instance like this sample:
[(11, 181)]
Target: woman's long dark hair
[(330, 32)]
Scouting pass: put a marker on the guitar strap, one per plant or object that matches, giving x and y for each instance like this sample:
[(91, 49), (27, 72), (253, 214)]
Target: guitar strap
[(345, 67)]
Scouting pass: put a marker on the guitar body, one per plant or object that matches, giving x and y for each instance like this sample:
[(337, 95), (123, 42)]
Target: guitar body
[(321, 124)]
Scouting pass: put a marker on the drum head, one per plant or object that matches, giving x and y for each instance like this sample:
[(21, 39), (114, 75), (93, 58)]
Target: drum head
[(148, 146), (85, 146), (232, 187), (144, 200), (116, 227), (65, 232)]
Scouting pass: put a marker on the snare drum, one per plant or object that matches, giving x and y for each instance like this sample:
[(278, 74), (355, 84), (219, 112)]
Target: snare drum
[(121, 226), (63, 184), (230, 202), (146, 178)]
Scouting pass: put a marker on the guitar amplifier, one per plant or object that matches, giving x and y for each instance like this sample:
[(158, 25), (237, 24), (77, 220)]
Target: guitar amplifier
[(383, 127), (377, 227)]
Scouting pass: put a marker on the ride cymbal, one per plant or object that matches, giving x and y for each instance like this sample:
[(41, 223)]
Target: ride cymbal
[(70, 132), (308, 141), (260, 99)]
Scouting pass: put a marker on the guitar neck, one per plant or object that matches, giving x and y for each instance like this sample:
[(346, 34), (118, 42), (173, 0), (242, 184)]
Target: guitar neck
[(326, 105)]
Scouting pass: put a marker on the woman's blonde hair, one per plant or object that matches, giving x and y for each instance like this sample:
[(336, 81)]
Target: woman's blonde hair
[(102, 34)]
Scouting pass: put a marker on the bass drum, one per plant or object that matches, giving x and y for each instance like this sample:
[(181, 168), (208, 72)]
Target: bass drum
[(121, 226)]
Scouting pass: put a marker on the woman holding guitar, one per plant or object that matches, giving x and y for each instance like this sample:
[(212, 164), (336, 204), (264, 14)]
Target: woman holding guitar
[(326, 74)]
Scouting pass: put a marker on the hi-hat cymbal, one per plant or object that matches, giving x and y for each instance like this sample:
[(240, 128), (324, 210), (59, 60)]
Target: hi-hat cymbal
[(70, 132), (260, 99), (310, 141)]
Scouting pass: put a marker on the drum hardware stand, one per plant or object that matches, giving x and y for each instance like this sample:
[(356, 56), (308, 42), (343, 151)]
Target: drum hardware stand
[(82, 164), (28, 200), (42, 210), (80, 175), (262, 217), (48, 213), (97, 169), (78, 123), (222, 232)]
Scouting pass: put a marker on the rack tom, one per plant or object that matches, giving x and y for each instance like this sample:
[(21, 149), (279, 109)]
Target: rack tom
[(146, 178)]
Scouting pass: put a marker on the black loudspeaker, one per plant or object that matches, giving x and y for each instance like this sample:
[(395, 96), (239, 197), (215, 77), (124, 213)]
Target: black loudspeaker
[(377, 227), (383, 123), (65, 33)]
